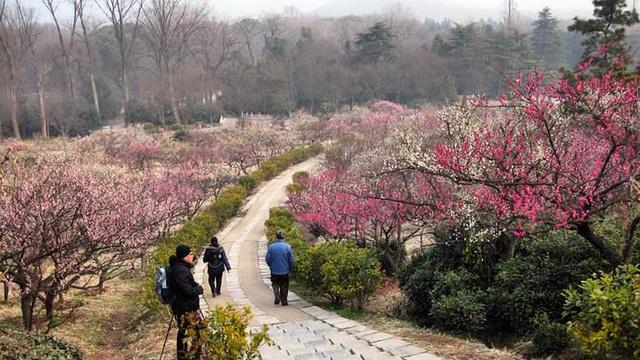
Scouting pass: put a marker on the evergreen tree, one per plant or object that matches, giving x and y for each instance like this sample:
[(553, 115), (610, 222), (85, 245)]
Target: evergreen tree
[(607, 30), (375, 44), (547, 42), (510, 56)]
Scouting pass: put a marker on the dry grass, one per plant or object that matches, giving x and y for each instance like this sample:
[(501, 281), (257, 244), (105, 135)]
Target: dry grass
[(109, 325)]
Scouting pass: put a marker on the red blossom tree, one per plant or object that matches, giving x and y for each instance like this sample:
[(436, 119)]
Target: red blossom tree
[(340, 206), (556, 156)]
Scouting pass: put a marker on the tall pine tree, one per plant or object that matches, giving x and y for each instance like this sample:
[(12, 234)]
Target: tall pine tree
[(375, 44), (607, 30), (547, 42)]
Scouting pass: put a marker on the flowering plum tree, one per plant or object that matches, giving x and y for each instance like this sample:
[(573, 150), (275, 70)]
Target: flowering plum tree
[(61, 223)]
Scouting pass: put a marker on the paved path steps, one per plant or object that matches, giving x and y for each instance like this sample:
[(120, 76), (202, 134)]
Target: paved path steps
[(300, 331)]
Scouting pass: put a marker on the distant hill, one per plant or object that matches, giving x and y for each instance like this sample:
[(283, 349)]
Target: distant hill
[(434, 9)]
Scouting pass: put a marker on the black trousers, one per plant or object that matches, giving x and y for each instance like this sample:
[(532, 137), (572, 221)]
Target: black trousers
[(280, 284), (215, 282)]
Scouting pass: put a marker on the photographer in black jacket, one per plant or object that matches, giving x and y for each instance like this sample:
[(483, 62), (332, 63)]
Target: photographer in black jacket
[(186, 290)]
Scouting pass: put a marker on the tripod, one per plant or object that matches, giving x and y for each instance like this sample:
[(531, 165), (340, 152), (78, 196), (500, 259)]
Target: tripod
[(166, 337)]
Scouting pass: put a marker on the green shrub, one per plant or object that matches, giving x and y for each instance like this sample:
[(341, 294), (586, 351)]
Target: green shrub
[(549, 337), (251, 181), (270, 168), (300, 175), (228, 203), (202, 113), (180, 135), (281, 218), (606, 314), (224, 334), (150, 128), (464, 311), (140, 113), (417, 279), (340, 271), (533, 282), (451, 282), (25, 345), (294, 188), (177, 127)]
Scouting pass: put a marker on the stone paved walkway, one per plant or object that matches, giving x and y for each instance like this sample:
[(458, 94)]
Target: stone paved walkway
[(300, 331)]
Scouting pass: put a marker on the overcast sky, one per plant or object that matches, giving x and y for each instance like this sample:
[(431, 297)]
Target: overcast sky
[(235, 8), (463, 9)]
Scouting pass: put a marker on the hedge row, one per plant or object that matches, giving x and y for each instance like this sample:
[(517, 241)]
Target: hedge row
[(197, 231), (270, 168), (280, 218)]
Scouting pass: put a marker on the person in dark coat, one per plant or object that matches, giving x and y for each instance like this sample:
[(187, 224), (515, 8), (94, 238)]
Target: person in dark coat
[(217, 261), (280, 260), (186, 291)]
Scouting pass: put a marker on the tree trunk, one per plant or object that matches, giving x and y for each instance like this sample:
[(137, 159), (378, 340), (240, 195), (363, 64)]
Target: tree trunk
[(44, 126), (5, 285), (49, 302), (94, 91), (127, 97), (584, 230), (27, 303), (172, 98), (13, 99), (143, 264), (510, 243)]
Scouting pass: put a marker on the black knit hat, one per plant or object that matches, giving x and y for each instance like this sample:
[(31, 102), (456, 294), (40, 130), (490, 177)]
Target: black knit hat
[(182, 251)]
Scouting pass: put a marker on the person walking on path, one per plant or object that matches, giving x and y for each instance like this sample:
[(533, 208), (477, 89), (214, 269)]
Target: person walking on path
[(186, 291), (217, 261), (280, 260)]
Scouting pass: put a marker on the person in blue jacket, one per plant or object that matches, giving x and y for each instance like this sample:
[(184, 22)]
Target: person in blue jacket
[(280, 260)]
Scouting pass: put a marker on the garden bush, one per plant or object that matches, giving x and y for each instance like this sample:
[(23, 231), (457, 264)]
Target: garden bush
[(464, 311), (533, 282), (180, 135), (202, 113), (280, 218), (140, 113), (452, 287), (225, 334), (417, 279), (605, 313), (26, 345), (549, 337), (341, 271), (251, 181)]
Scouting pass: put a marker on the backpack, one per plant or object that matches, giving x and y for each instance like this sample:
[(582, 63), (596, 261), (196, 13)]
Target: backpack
[(163, 292), (216, 261)]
